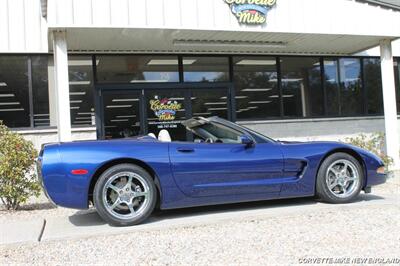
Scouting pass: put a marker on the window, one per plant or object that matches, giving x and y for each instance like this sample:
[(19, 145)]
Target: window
[(397, 81), (137, 69), (331, 79), (16, 74), (256, 83), (24, 93), (205, 69), (351, 97), (343, 87), (81, 90), (40, 91), (121, 113), (210, 102), (373, 85), (301, 87), (14, 91)]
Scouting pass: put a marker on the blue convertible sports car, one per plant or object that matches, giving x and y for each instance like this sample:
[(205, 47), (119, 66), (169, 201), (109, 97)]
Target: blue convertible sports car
[(126, 179)]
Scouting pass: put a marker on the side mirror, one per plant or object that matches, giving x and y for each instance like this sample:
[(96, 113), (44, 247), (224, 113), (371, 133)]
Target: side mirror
[(247, 141)]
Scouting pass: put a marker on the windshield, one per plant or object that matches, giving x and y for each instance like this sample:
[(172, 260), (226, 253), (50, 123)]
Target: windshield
[(257, 135), (216, 132), (259, 138)]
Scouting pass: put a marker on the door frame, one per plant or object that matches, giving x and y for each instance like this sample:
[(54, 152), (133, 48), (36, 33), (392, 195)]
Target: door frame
[(100, 127), (142, 87)]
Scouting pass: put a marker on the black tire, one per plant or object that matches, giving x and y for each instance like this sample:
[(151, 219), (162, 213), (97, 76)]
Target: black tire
[(100, 205), (324, 192)]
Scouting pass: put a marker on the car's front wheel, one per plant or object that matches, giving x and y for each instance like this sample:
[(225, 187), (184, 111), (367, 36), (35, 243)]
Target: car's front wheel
[(340, 178), (124, 195)]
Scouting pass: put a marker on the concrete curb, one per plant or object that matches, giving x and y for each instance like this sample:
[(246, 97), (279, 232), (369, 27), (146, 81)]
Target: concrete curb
[(21, 231)]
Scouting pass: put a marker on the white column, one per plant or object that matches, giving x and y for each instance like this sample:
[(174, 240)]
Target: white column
[(61, 83), (52, 93), (389, 102)]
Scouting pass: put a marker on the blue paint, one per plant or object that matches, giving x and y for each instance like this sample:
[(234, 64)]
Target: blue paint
[(194, 174)]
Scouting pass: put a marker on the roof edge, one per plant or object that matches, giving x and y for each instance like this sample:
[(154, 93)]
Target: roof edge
[(381, 3)]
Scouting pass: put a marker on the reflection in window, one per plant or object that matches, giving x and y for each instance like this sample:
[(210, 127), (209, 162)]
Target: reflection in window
[(373, 85), (301, 87), (257, 95), (351, 98), (331, 80), (81, 90), (14, 92), (205, 69), (137, 69), (121, 114), (343, 86), (210, 102), (40, 91)]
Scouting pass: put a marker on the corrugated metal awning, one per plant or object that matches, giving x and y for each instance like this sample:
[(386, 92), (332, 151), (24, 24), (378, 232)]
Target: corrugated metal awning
[(329, 27), (204, 41)]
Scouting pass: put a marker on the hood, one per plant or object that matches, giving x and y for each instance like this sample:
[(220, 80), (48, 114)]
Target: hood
[(330, 145)]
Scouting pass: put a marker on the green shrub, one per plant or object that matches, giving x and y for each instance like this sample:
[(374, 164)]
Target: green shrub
[(17, 178), (374, 143)]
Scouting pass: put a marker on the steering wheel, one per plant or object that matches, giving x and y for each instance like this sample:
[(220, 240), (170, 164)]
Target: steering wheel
[(209, 140)]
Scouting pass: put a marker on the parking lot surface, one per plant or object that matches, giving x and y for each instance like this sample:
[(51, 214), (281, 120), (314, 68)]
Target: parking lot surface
[(297, 231)]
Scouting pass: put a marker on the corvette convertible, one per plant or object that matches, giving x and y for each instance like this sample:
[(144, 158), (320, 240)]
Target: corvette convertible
[(127, 179)]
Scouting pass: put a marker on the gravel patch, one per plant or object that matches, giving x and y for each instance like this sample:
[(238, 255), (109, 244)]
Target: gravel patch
[(39, 207), (365, 232), (371, 232)]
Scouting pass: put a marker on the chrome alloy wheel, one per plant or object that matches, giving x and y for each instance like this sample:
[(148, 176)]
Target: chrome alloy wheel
[(342, 178), (126, 195)]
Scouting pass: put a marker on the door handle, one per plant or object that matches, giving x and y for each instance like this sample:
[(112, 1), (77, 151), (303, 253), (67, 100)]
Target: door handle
[(185, 150)]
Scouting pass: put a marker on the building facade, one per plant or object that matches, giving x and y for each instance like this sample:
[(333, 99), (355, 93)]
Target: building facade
[(291, 69)]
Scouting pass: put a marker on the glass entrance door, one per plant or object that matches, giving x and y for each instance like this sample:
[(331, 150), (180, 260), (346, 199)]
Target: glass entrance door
[(166, 109), (128, 113), (121, 114)]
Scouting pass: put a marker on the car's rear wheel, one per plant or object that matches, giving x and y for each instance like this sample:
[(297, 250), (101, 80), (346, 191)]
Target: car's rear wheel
[(340, 178), (124, 195)]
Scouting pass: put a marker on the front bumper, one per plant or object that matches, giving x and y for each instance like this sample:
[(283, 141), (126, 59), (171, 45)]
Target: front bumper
[(374, 179)]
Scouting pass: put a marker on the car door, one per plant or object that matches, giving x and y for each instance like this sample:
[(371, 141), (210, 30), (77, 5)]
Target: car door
[(217, 169)]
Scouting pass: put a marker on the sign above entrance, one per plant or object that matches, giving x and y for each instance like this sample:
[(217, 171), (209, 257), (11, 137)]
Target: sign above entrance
[(251, 12)]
